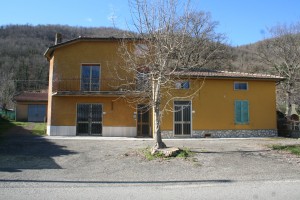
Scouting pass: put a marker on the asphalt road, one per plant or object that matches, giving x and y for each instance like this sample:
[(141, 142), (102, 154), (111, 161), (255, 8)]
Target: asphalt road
[(103, 168), (275, 190)]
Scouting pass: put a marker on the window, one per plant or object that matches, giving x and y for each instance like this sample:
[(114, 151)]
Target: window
[(182, 85), (241, 111), (90, 77), (240, 86), (182, 117), (142, 81), (141, 49)]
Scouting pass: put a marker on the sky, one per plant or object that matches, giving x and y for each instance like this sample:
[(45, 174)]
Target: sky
[(242, 21)]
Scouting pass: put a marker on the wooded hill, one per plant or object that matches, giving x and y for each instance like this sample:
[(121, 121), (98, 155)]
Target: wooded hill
[(22, 48), (22, 62)]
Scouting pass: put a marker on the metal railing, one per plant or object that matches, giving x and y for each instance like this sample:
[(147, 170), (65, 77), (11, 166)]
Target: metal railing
[(94, 85)]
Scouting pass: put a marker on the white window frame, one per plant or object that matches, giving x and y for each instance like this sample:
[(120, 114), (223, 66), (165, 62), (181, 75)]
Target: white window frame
[(180, 84), (90, 83), (238, 82)]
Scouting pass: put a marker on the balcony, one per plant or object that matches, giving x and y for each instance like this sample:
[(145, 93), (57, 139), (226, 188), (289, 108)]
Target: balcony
[(95, 87)]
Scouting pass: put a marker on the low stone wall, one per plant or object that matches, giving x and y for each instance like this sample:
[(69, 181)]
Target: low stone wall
[(225, 133), (295, 134)]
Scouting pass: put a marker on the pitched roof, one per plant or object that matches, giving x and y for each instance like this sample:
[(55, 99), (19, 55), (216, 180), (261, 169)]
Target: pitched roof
[(49, 52), (228, 75), (36, 96)]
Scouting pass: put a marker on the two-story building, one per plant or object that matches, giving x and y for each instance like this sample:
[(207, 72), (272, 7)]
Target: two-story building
[(85, 98)]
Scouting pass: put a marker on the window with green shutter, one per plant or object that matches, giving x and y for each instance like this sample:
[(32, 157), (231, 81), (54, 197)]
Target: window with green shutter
[(241, 111)]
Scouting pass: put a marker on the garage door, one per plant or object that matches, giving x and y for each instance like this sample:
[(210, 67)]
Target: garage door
[(36, 113)]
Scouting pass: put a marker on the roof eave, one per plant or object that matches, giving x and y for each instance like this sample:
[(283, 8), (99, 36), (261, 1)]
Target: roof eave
[(49, 52), (276, 79)]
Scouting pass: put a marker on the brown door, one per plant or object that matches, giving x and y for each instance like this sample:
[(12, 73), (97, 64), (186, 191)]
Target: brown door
[(143, 118)]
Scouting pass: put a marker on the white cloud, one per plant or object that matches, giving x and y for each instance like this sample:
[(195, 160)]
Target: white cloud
[(89, 19)]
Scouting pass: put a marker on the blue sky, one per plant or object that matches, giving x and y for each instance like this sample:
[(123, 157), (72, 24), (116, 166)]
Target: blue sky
[(243, 21)]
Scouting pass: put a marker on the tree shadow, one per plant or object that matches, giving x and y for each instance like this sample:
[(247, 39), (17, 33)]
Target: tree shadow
[(19, 150), (229, 152)]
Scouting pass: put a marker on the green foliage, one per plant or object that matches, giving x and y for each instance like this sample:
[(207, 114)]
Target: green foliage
[(147, 153), (36, 128), (185, 153), (6, 124), (294, 149), (39, 129)]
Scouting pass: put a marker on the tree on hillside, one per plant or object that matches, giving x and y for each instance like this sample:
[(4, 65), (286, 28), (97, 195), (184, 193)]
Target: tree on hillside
[(282, 52), (22, 64), (171, 39)]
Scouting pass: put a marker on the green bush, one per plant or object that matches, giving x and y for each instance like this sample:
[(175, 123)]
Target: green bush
[(294, 149)]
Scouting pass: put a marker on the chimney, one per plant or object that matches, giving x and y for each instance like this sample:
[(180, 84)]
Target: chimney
[(58, 38)]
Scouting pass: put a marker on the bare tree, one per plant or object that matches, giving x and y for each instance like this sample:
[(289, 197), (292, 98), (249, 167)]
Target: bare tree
[(282, 53), (170, 39)]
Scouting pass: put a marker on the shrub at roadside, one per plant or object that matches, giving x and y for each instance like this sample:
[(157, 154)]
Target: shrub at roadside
[(294, 149)]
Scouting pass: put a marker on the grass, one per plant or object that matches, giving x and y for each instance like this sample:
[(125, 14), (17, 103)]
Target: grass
[(39, 129), (294, 149), (183, 153), (6, 124), (147, 153), (36, 129)]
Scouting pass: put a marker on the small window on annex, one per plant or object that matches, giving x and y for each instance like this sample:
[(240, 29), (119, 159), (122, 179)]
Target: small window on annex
[(182, 85), (240, 86)]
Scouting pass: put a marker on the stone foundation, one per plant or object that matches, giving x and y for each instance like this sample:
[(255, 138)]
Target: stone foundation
[(225, 133)]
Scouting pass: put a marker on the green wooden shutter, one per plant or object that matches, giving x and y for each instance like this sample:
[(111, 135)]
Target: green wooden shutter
[(241, 109), (237, 108), (244, 112)]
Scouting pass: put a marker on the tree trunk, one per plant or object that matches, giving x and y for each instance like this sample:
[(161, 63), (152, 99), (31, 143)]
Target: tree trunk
[(159, 144), (289, 101)]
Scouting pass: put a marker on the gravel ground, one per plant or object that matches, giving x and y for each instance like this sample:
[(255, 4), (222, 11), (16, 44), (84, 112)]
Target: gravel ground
[(31, 159)]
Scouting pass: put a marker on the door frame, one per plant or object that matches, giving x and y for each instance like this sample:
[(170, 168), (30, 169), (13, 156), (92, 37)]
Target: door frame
[(137, 122), (76, 120), (191, 119)]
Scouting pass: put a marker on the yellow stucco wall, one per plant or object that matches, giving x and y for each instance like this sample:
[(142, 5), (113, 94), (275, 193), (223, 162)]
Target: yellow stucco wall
[(69, 59), (66, 64), (21, 112), (116, 111), (213, 105)]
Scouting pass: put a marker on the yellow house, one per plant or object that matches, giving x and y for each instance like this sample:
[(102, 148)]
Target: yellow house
[(85, 98)]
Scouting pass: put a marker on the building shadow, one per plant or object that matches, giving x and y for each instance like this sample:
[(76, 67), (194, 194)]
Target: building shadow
[(19, 150), (229, 152)]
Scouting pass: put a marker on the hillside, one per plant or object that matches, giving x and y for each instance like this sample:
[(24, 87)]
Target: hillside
[(23, 66)]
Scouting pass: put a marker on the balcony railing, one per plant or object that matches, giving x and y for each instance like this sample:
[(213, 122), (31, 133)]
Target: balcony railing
[(95, 86)]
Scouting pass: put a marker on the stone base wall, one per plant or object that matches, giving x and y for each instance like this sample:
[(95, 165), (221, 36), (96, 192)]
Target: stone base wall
[(225, 133)]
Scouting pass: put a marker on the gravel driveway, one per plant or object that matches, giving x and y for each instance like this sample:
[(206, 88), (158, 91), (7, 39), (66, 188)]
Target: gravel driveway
[(32, 159)]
